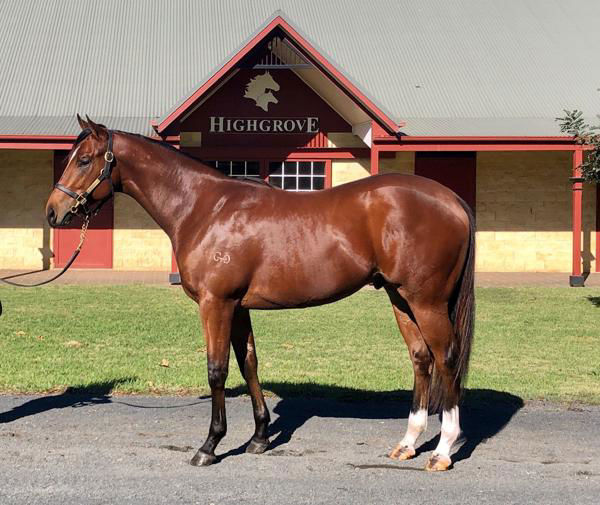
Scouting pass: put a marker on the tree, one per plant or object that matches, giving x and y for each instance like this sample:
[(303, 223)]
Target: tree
[(574, 125)]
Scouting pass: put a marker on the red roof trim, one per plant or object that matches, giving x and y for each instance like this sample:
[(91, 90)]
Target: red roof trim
[(470, 146), (50, 142), (37, 137), (35, 145), (314, 54), (506, 138)]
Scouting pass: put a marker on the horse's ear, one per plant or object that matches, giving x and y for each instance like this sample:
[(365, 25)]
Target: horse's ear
[(98, 131), (82, 122)]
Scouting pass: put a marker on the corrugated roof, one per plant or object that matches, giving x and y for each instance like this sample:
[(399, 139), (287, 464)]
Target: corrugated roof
[(446, 67), (481, 127), (67, 125)]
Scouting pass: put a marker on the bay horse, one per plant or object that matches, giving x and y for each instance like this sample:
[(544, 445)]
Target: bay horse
[(244, 245)]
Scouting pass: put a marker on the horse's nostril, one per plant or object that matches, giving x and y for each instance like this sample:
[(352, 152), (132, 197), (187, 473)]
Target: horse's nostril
[(51, 217)]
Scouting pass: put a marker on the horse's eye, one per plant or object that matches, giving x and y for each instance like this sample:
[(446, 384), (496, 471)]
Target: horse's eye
[(84, 160)]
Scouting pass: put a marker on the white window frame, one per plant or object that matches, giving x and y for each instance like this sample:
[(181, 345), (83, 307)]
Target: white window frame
[(297, 175), (221, 164)]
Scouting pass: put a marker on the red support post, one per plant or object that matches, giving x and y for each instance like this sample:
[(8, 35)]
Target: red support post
[(174, 277), (577, 279), (374, 159)]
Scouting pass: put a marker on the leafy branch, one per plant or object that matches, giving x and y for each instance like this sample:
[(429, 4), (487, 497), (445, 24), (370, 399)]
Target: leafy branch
[(574, 124)]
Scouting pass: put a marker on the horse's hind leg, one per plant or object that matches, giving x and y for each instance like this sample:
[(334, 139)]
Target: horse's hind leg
[(438, 333), (422, 362), (242, 339)]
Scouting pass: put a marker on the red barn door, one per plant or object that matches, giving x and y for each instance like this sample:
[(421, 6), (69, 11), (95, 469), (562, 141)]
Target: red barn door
[(456, 170), (97, 251)]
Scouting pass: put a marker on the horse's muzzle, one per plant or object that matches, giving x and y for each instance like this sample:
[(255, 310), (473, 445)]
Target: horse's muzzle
[(53, 222)]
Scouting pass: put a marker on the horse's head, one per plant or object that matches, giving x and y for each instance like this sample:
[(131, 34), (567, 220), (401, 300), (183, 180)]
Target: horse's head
[(268, 82), (82, 182)]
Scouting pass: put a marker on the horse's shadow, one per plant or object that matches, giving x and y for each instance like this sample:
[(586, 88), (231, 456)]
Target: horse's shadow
[(74, 396), (485, 412), (594, 300)]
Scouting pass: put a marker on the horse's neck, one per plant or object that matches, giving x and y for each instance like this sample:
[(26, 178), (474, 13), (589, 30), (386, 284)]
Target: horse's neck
[(167, 185)]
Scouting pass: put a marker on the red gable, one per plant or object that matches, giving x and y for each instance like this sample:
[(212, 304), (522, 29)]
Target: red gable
[(167, 126)]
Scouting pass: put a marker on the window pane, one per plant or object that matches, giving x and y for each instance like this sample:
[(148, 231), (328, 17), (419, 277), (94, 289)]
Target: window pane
[(275, 181), (319, 167), (224, 166), (304, 182), (275, 167), (237, 168), (289, 183), (291, 168), (253, 168), (318, 182), (304, 168)]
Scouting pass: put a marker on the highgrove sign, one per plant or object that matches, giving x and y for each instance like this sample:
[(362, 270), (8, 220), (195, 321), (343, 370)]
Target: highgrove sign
[(220, 124)]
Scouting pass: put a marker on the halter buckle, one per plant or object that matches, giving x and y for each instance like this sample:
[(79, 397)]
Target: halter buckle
[(109, 157)]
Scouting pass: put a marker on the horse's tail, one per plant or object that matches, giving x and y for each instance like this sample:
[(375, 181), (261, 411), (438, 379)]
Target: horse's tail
[(462, 315)]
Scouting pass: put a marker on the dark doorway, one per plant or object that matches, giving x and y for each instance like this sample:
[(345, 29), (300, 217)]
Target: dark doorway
[(456, 170)]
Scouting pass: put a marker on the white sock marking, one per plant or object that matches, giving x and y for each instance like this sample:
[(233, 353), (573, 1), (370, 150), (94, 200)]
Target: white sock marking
[(417, 424), (450, 431)]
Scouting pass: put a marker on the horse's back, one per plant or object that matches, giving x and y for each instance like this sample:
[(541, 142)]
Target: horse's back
[(417, 228), (401, 228), (377, 185)]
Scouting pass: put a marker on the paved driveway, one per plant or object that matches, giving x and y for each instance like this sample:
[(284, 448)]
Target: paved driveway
[(135, 450)]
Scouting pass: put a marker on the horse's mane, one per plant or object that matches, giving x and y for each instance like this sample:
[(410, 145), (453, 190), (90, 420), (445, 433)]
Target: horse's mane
[(83, 134), (173, 149), (161, 143), (256, 180), (165, 145), (254, 85)]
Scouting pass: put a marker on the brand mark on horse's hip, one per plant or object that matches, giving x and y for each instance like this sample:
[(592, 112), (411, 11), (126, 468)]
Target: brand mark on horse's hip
[(221, 258)]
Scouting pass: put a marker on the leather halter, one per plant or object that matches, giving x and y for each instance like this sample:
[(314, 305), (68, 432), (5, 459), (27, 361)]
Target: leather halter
[(81, 199)]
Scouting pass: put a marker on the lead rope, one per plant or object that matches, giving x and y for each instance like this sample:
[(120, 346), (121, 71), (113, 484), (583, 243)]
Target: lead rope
[(5, 280), (84, 227)]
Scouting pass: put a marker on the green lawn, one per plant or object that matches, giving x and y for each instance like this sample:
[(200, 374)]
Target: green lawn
[(530, 342)]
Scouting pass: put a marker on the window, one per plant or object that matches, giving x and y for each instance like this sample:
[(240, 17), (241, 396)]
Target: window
[(297, 175), (237, 169)]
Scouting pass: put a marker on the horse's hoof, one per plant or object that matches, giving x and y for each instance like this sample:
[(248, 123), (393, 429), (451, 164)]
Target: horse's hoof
[(403, 452), (203, 459), (257, 446), (438, 463)]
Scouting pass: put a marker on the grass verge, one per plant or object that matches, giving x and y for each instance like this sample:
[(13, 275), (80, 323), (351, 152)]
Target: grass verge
[(536, 343)]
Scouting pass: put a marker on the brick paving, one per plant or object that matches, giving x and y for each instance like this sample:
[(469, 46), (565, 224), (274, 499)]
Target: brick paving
[(484, 279)]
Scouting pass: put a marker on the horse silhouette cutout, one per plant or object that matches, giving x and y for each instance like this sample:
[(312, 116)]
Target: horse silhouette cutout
[(260, 90)]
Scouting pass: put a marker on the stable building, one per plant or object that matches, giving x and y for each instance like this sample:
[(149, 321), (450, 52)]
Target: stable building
[(308, 95)]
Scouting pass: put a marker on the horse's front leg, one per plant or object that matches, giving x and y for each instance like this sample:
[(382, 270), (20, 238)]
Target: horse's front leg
[(216, 315)]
